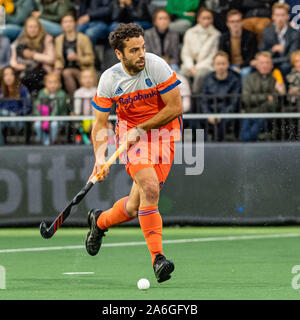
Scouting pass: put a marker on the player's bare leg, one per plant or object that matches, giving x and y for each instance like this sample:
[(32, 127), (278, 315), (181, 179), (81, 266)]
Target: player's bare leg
[(133, 202), (151, 221)]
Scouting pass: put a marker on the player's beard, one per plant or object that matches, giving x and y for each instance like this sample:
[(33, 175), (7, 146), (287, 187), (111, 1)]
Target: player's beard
[(133, 67)]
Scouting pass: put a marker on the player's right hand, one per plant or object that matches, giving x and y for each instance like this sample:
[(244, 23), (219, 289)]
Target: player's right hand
[(97, 170)]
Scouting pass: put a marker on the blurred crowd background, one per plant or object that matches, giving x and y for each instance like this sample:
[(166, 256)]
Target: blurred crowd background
[(232, 56)]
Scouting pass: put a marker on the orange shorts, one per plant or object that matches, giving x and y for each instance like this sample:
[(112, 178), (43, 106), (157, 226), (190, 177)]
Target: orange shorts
[(146, 154)]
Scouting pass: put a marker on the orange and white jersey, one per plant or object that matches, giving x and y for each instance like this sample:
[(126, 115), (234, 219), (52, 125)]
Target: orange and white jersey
[(138, 98)]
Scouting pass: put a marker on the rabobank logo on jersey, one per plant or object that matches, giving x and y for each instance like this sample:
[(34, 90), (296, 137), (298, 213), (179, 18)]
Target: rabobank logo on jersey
[(137, 97)]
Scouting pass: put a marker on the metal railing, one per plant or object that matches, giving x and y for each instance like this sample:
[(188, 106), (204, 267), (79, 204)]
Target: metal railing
[(283, 124), (274, 117)]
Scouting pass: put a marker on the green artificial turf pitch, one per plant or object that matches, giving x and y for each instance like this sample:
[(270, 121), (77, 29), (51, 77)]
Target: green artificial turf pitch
[(221, 263)]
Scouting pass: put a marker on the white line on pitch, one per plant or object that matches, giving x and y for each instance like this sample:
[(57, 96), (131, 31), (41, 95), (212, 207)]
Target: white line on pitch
[(142, 243), (71, 273)]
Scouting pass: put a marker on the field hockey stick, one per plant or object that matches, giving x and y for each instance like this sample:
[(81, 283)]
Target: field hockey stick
[(80, 195)]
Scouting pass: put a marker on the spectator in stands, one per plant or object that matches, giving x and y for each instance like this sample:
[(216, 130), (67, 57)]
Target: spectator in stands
[(16, 20), (260, 94), (51, 101), (125, 11), (94, 17), (280, 38), (293, 78), (82, 102), (87, 91), (33, 55), (15, 100), (183, 14), (257, 15), (161, 41), (291, 126), (74, 52), (5, 52), (239, 43), (185, 90), (50, 12), (220, 94), (220, 9), (199, 47), (82, 106)]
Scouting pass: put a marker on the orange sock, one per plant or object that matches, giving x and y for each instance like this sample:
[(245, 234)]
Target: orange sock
[(114, 215), (151, 224)]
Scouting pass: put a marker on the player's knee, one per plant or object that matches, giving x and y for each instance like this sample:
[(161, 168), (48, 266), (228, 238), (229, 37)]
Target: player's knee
[(132, 207), (151, 190), (132, 210)]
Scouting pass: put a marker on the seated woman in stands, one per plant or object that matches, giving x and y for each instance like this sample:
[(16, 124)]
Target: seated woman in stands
[(33, 55), (15, 100)]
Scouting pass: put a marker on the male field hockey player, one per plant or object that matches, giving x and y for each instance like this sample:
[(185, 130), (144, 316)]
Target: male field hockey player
[(148, 101)]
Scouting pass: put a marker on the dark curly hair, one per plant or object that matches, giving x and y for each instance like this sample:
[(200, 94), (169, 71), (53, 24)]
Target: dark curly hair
[(124, 31)]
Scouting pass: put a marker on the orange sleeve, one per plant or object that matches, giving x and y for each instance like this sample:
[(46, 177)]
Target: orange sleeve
[(168, 85), (101, 103)]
